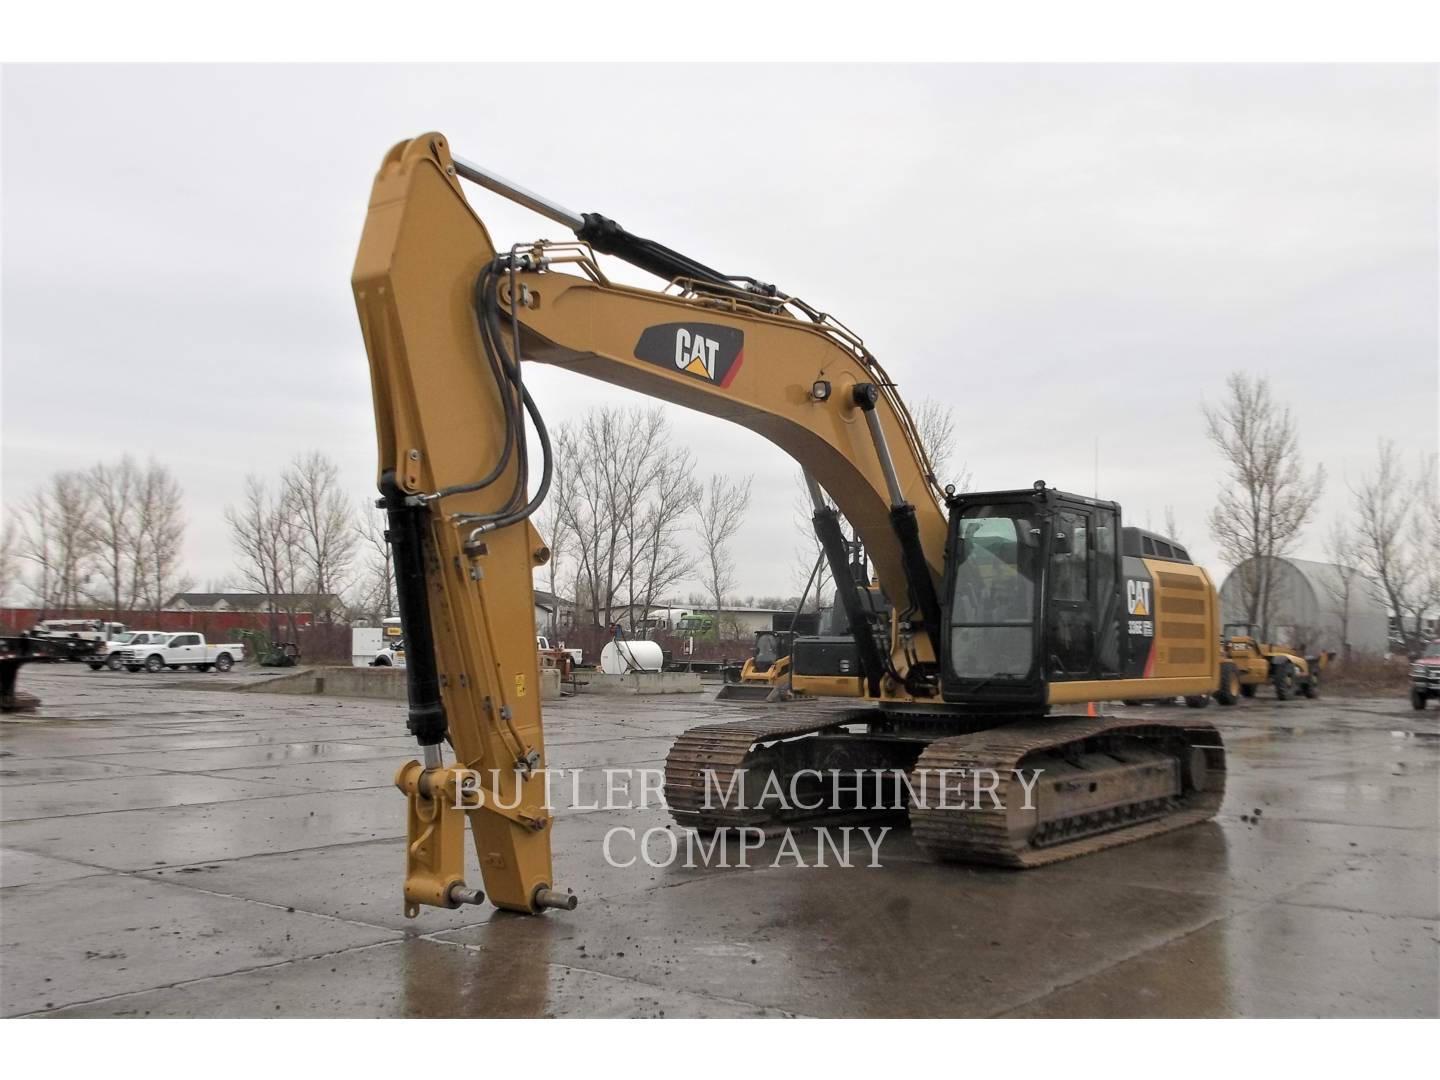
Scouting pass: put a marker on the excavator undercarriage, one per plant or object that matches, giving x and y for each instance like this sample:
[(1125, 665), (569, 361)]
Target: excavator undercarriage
[(1017, 792)]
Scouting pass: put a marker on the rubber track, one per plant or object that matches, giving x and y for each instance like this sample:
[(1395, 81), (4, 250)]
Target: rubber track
[(976, 835)]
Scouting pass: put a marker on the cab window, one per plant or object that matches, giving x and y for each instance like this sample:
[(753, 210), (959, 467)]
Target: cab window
[(992, 608), (1070, 562)]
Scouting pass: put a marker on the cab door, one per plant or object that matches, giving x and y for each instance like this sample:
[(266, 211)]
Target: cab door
[(1070, 622), (185, 649)]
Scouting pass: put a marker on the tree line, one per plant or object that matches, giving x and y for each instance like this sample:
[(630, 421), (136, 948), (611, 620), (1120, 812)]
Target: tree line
[(1387, 540), (111, 538), (108, 537), (629, 520), (307, 545)]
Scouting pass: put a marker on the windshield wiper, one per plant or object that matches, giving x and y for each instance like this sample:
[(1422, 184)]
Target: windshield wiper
[(988, 679)]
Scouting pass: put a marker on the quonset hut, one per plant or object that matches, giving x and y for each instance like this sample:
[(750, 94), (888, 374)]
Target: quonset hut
[(1307, 606)]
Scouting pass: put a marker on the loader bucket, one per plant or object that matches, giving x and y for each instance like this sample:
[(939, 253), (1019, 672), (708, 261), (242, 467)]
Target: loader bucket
[(741, 691)]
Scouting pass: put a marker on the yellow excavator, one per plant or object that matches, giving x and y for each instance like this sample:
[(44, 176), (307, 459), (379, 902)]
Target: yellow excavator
[(1010, 610)]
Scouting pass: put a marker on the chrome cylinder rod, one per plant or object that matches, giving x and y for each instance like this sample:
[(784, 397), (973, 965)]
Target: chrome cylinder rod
[(817, 495), (515, 193), (887, 463)]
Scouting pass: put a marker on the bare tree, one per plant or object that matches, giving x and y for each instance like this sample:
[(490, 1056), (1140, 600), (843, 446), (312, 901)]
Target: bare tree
[(553, 522), (1424, 541), (1342, 580), (324, 527), (623, 487), (658, 499), (37, 546), (935, 423), (73, 503), (809, 551), (720, 511), (594, 512), (9, 558), (375, 587), (158, 538), (646, 448), (1266, 497), (57, 540), (112, 528), (1172, 527), (264, 536), (1382, 511)]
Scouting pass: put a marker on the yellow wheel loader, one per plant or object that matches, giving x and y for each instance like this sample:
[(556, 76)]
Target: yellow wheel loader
[(1252, 664)]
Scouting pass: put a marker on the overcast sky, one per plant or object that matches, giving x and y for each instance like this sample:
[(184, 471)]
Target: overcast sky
[(1061, 253)]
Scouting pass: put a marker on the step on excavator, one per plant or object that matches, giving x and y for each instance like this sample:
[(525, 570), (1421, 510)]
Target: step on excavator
[(1010, 611)]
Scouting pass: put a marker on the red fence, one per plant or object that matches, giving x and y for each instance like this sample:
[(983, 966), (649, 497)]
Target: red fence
[(210, 623)]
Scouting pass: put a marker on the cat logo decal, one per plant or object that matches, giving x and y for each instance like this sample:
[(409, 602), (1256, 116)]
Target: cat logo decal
[(702, 350)]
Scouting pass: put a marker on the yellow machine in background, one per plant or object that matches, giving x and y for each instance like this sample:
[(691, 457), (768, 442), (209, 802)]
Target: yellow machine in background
[(765, 675), (1004, 608), (1255, 664)]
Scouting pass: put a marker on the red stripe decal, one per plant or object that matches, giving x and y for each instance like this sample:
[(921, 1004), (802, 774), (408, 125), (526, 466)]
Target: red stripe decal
[(730, 375)]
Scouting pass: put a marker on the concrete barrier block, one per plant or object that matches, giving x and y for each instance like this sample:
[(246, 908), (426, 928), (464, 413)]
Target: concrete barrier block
[(667, 682)]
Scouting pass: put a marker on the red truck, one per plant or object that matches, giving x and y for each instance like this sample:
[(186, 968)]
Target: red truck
[(1425, 676)]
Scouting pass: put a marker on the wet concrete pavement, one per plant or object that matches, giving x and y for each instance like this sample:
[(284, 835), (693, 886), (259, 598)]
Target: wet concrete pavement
[(171, 852)]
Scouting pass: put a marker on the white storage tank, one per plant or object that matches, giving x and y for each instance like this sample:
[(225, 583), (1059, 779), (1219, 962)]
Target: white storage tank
[(623, 657)]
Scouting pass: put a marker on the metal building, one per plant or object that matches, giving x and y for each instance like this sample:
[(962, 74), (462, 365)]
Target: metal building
[(1308, 606)]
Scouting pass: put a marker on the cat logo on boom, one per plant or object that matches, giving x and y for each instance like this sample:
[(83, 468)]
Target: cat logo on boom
[(695, 353), (702, 350)]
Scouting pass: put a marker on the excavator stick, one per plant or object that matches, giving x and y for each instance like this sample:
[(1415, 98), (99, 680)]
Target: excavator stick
[(449, 408)]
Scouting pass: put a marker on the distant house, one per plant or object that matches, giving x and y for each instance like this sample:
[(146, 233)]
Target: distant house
[(1403, 629), (308, 603), (553, 614)]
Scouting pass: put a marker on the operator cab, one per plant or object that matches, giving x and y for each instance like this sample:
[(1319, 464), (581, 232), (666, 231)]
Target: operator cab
[(1032, 595)]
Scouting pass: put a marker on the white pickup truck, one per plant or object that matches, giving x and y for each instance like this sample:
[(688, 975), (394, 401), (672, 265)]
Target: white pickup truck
[(543, 644), (181, 650), (108, 652)]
